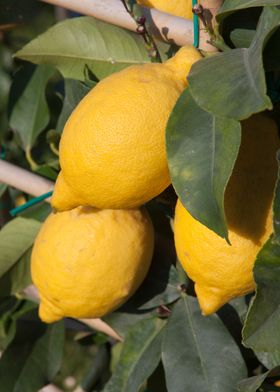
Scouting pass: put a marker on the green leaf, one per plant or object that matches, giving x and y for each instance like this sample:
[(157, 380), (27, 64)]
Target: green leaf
[(201, 151), (5, 82), (17, 277), (230, 6), (269, 360), (28, 109), (11, 310), (232, 84), (16, 238), (75, 43), (122, 321), (253, 383), (33, 358), (199, 354), (74, 92), (139, 357), (39, 212), (3, 187), (242, 38), (261, 330)]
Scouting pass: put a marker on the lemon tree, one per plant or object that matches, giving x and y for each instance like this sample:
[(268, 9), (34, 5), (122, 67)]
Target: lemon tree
[(165, 216)]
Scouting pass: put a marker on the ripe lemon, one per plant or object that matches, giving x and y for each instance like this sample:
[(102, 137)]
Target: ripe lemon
[(181, 8), (112, 150), (87, 262), (222, 271)]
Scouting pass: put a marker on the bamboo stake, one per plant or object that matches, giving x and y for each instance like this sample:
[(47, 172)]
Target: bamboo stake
[(164, 26), (24, 180), (36, 185)]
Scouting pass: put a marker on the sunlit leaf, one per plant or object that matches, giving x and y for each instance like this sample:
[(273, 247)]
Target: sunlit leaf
[(75, 43)]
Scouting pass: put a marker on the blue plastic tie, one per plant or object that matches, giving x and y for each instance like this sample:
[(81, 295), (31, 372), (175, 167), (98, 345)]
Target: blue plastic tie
[(195, 27), (30, 203)]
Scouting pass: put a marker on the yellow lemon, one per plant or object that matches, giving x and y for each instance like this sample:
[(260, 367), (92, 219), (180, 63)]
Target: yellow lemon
[(87, 262), (222, 271), (181, 8), (112, 150)]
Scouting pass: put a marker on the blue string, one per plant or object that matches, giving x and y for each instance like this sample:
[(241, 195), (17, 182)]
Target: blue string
[(30, 203), (195, 27)]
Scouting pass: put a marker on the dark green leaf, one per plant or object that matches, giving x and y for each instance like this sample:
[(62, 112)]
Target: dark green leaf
[(122, 321), (242, 38), (16, 238), (269, 360), (232, 84), (253, 383), (230, 6), (75, 43), (10, 311), (3, 187), (74, 92), (39, 212), (261, 331), (4, 89), (29, 112), (139, 357), (17, 277), (33, 358), (199, 354), (201, 152)]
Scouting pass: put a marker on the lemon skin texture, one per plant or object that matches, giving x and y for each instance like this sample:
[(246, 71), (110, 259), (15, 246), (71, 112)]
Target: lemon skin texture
[(221, 271), (112, 150), (182, 8), (87, 262)]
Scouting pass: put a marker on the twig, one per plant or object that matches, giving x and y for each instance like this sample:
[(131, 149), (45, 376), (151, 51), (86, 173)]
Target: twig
[(143, 31)]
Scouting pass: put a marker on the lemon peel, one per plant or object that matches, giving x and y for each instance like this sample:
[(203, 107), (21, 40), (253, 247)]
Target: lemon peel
[(112, 150), (87, 262), (182, 8)]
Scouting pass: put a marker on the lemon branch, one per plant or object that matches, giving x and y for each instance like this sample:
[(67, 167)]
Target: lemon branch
[(142, 29), (163, 26)]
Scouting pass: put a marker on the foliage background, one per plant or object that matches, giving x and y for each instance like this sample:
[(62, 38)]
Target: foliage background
[(46, 67)]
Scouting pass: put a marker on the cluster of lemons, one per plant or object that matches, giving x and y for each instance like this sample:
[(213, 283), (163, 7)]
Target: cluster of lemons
[(93, 253)]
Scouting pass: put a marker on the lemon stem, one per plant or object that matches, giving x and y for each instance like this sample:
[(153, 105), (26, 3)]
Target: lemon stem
[(54, 149), (29, 158)]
